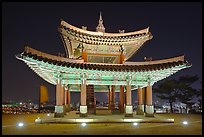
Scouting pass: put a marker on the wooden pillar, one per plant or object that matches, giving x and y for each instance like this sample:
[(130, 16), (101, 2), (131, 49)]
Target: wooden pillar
[(67, 99), (58, 90), (83, 94), (139, 94), (149, 107), (128, 106), (62, 94), (149, 95), (109, 98), (121, 95), (113, 97), (121, 99), (83, 106), (144, 97), (128, 95), (140, 107), (65, 96), (59, 108)]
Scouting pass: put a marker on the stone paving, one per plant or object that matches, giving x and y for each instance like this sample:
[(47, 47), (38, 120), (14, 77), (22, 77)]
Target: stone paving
[(74, 117)]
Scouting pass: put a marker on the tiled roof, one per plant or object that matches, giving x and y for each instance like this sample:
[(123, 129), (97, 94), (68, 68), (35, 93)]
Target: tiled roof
[(106, 67), (106, 40)]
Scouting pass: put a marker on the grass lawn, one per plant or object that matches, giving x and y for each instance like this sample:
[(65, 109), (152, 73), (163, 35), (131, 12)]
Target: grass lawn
[(194, 126)]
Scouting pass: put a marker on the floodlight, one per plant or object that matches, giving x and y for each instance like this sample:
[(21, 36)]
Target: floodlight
[(135, 124), (185, 122), (20, 124), (83, 124)]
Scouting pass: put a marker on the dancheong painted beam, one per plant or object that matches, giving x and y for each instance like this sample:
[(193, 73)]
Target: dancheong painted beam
[(71, 71)]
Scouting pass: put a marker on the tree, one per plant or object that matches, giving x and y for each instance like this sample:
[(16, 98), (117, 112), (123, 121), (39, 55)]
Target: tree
[(199, 95), (186, 91), (168, 90), (178, 90)]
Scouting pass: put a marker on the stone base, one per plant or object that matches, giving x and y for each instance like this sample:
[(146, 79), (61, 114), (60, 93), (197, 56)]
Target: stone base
[(83, 111), (149, 111), (140, 110), (128, 111), (59, 111)]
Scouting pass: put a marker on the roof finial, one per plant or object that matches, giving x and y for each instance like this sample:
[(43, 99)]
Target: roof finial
[(100, 27), (100, 19)]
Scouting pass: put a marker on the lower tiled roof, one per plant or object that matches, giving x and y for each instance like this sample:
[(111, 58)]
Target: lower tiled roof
[(106, 67)]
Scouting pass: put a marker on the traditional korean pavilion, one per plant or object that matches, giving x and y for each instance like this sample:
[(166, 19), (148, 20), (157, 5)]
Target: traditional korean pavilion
[(96, 61)]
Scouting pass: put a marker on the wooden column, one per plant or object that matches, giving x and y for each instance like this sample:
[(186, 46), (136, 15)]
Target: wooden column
[(62, 94), (109, 97), (149, 107), (59, 94), (121, 99), (59, 108), (128, 106), (121, 95), (139, 95), (149, 95), (144, 97), (65, 96), (83, 93), (58, 90), (140, 107), (83, 106), (113, 97), (67, 99), (128, 95)]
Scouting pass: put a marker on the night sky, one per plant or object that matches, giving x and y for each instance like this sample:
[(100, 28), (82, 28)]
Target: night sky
[(176, 29)]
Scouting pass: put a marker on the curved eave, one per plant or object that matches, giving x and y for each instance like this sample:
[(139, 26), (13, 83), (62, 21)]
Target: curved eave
[(49, 67), (146, 30), (126, 66), (50, 71)]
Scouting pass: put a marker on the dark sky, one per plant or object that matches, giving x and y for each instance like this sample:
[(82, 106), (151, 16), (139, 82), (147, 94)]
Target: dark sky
[(176, 29)]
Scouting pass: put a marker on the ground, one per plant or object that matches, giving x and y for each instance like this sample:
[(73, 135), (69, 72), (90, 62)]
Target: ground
[(194, 126)]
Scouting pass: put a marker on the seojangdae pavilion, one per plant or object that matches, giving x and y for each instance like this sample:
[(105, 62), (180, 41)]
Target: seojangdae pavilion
[(96, 61)]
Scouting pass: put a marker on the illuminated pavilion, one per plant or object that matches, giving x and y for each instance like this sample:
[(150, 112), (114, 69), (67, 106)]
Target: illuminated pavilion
[(96, 61)]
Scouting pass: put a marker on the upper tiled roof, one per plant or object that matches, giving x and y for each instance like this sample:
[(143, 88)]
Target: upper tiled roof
[(104, 38)]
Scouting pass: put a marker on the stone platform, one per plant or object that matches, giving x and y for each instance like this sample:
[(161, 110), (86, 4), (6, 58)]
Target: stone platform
[(73, 117)]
